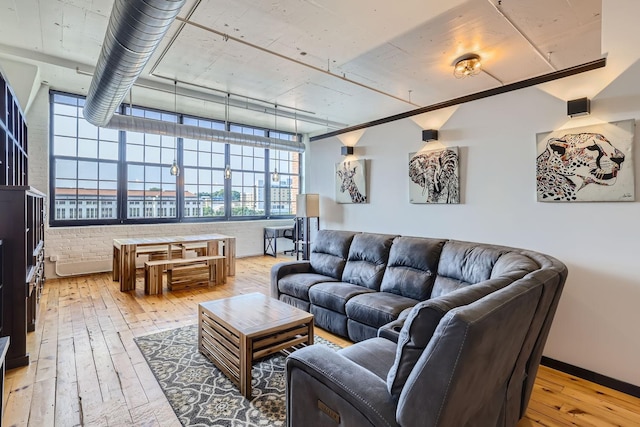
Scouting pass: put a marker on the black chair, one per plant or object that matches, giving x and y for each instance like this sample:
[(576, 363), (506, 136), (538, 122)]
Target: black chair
[(295, 235)]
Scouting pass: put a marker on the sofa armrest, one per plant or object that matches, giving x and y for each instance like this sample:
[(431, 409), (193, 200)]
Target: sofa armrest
[(322, 385), (282, 269), (391, 330)]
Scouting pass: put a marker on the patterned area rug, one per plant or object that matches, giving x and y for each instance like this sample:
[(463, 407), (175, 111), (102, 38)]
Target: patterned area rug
[(201, 395)]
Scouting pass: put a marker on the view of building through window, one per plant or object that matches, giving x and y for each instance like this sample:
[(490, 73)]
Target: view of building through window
[(103, 176)]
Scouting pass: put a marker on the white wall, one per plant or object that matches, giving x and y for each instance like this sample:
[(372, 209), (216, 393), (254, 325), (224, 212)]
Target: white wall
[(596, 326)]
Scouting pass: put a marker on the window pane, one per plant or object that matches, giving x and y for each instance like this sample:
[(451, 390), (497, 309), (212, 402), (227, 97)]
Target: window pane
[(63, 146), (152, 155), (108, 150), (87, 170), (87, 130), (135, 153), (65, 126), (88, 148), (66, 169), (109, 134)]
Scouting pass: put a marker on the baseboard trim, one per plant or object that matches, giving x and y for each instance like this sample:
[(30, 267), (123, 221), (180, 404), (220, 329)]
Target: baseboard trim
[(594, 377)]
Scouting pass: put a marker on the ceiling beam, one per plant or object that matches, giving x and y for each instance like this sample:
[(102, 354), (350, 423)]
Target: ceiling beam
[(555, 75)]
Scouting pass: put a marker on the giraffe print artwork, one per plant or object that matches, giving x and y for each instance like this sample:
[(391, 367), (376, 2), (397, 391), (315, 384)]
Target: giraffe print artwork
[(350, 182)]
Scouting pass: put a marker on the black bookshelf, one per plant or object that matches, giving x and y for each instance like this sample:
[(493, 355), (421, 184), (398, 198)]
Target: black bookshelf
[(21, 231)]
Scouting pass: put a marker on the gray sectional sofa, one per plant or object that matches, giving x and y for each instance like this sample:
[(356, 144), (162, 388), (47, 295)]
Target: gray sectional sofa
[(447, 332)]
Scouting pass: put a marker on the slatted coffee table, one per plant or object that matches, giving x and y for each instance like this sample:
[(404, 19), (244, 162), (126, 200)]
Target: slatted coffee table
[(235, 332)]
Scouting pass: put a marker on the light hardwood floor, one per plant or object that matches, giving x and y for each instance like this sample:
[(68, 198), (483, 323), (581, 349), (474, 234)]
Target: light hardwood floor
[(86, 370)]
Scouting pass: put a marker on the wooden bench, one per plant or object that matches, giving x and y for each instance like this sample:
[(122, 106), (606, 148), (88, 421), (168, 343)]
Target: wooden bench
[(182, 272), (159, 252)]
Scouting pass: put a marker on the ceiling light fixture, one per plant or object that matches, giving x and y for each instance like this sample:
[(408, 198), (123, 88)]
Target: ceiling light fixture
[(227, 128), (275, 176), (467, 65), (175, 170)]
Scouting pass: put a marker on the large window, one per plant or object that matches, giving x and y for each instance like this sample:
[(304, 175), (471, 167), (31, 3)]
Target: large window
[(103, 176), (149, 182), (248, 178), (285, 178), (203, 166), (85, 167)]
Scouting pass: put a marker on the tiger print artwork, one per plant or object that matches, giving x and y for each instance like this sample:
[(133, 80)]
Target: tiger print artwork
[(434, 176)]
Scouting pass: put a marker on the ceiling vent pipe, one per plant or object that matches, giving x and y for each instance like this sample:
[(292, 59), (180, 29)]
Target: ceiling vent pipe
[(135, 29), (158, 127)]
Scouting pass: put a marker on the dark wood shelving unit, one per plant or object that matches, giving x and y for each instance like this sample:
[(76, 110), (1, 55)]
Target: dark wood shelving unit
[(13, 138), (22, 216), (23, 266)]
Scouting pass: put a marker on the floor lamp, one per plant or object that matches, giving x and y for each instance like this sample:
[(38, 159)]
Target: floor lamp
[(307, 206)]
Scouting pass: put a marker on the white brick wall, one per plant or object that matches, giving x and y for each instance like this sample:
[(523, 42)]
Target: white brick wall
[(89, 248)]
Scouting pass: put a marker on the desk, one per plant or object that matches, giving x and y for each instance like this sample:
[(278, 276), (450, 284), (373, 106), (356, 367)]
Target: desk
[(271, 235), (124, 253)]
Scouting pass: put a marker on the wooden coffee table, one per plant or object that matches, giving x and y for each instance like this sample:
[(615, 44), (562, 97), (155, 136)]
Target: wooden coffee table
[(235, 332)]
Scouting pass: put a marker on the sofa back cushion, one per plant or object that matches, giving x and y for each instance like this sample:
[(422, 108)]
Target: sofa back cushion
[(464, 263), (421, 323), (329, 252), (513, 265), (368, 257), (412, 267)]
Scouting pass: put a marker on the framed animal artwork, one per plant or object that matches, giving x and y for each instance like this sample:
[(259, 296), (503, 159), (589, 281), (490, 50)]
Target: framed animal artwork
[(434, 176), (351, 183), (586, 164)]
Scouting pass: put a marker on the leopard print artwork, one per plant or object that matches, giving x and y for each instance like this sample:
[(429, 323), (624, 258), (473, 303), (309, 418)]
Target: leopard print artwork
[(574, 161)]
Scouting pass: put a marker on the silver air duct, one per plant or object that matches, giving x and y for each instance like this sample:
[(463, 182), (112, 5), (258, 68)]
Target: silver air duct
[(158, 127), (135, 29)]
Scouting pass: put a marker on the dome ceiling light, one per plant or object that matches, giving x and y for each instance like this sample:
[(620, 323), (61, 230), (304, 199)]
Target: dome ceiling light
[(467, 65)]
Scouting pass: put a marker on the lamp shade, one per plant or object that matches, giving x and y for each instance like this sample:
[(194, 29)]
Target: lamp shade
[(308, 205)]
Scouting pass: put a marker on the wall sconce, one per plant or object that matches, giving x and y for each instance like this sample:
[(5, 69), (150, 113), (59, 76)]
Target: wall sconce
[(346, 150), (227, 172), (467, 65), (429, 135), (578, 107)]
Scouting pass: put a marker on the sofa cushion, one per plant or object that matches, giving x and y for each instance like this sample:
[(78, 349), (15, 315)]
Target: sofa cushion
[(329, 320), (329, 252), (513, 265), (296, 302), (377, 308), (375, 355), (464, 263), (298, 285), (423, 320), (412, 267), (334, 295), (360, 332), (368, 256)]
